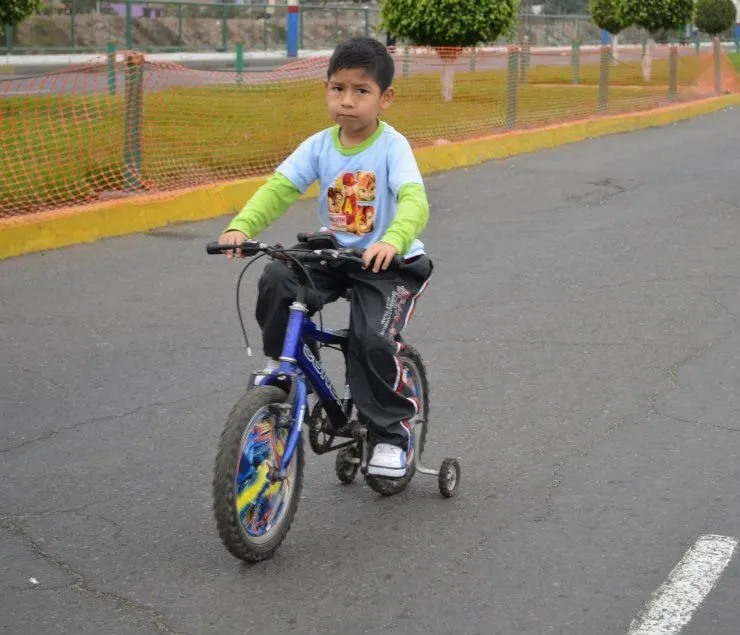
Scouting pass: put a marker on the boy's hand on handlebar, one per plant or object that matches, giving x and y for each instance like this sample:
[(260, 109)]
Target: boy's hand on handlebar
[(381, 253), (233, 237)]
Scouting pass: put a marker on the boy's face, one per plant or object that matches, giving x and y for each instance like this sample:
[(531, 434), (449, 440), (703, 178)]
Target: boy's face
[(355, 100)]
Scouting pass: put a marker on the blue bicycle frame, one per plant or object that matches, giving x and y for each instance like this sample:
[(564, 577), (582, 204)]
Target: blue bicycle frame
[(300, 366)]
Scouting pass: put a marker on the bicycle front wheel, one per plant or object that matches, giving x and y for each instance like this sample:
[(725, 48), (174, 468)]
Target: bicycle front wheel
[(253, 514)]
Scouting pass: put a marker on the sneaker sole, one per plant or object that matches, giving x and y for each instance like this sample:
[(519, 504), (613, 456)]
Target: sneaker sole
[(374, 470)]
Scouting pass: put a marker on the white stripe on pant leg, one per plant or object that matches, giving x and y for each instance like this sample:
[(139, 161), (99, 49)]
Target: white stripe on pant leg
[(674, 603), (413, 301), (410, 312)]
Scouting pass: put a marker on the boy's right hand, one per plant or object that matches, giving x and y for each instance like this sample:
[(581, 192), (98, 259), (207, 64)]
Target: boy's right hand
[(233, 237)]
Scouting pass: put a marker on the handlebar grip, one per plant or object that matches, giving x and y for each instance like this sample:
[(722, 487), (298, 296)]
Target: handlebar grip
[(215, 248), (302, 237), (248, 248)]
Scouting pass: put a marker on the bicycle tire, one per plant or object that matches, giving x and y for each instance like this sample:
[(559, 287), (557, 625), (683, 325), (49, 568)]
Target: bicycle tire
[(230, 457), (387, 486)]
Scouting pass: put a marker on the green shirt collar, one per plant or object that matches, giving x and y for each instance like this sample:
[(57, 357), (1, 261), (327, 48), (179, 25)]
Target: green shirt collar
[(358, 148)]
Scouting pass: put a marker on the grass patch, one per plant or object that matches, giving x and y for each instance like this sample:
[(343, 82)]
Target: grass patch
[(67, 149), (620, 74), (735, 59)]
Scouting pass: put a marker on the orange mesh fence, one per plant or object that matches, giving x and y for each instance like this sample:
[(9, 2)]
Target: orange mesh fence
[(126, 126)]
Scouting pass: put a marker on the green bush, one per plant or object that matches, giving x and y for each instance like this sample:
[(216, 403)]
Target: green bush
[(604, 15), (715, 16), (449, 23), (656, 16), (15, 11)]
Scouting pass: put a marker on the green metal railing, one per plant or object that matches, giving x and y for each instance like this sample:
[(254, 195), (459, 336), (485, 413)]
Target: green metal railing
[(171, 25), (174, 25)]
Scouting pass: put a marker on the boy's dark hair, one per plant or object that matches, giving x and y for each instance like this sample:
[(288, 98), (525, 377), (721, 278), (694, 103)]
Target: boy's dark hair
[(367, 54)]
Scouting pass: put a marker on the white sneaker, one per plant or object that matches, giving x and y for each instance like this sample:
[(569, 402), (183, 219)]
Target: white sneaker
[(387, 460)]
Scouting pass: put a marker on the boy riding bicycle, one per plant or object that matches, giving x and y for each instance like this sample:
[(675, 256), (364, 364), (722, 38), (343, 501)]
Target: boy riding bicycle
[(372, 197)]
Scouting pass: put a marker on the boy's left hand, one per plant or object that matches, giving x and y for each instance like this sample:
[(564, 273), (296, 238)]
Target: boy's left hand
[(381, 253)]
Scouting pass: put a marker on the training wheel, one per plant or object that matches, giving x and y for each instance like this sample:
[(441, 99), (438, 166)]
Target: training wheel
[(346, 465), (449, 477)]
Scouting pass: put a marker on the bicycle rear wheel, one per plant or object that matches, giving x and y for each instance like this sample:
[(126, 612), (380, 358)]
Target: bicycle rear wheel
[(416, 386), (253, 514)]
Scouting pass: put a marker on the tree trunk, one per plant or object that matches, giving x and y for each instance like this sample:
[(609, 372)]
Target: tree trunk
[(448, 81), (615, 49), (647, 60)]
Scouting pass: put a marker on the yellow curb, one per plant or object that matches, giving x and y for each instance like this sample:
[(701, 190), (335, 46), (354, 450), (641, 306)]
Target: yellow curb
[(475, 151), (55, 229)]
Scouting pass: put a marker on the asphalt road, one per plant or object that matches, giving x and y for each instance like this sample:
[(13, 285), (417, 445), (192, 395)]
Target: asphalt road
[(581, 332)]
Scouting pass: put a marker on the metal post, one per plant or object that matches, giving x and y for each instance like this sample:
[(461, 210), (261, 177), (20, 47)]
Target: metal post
[(9, 38), (224, 29), (575, 61), (133, 120), (673, 74), (73, 25), (473, 53), (239, 62), (526, 53), (336, 25), (512, 81), (604, 78), (367, 22), (129, 28), (717, 66), (406, 60), (111, 50), (697, 43), (294, 20), (300, 31), (179, 25)]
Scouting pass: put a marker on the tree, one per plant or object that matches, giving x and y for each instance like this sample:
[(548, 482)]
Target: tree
[(13, 12), (604, 15), (656, 17), (448, 26), (715, 16)]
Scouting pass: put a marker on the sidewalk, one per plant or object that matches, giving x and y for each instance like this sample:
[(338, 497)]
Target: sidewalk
[(255, 57)]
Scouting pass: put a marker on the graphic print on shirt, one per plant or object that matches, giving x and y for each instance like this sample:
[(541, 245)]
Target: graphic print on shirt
[(349, 201)]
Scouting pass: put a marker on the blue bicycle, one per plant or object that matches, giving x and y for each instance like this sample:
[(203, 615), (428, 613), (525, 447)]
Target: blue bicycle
[(259, 465)]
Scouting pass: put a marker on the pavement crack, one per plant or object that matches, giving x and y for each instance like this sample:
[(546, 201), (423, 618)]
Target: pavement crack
[(676, 419), (725, 428), (557, 471), (81, 583), (48, 512), (113, 417), (672, 374)]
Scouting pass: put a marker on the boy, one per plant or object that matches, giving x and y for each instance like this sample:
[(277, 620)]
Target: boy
[(372, 196)]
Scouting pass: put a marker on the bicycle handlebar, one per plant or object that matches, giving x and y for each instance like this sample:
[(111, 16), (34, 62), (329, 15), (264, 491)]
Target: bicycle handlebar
[(253, 247)]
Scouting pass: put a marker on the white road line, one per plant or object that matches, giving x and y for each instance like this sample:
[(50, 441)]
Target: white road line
[(673, 604)]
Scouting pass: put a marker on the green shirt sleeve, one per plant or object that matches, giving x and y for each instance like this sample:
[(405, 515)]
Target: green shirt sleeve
[(412, 216), (268, 204)]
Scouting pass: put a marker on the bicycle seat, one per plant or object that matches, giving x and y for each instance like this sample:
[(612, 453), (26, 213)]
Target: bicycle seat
[(318, 240)]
